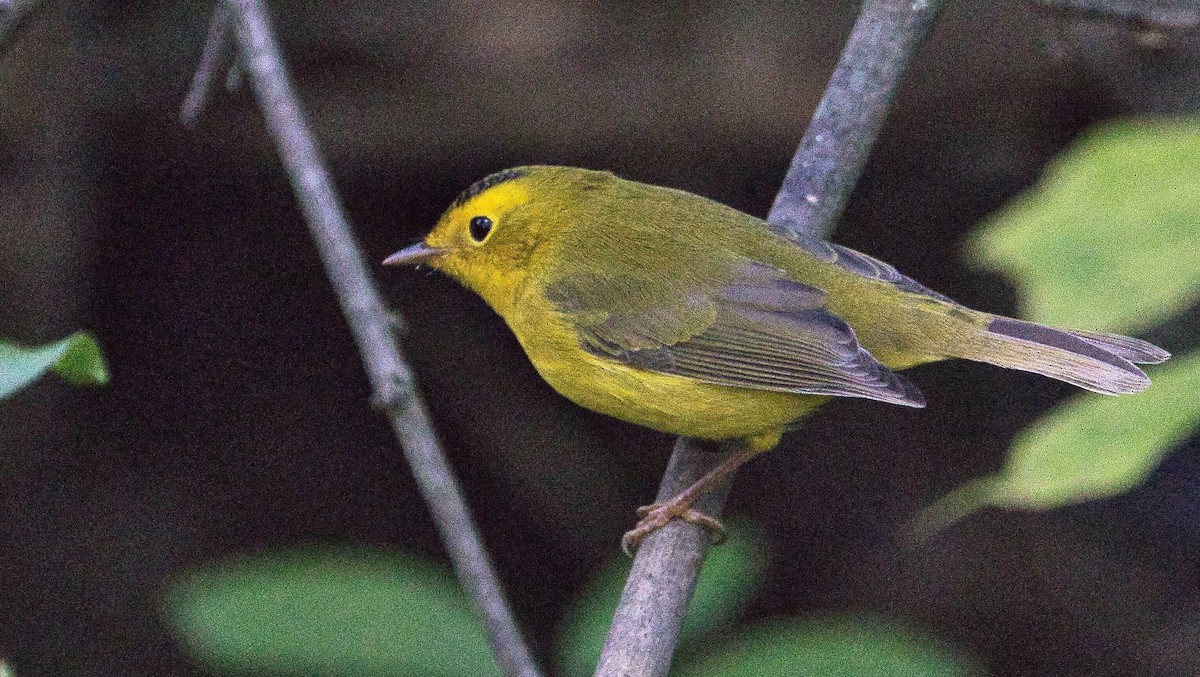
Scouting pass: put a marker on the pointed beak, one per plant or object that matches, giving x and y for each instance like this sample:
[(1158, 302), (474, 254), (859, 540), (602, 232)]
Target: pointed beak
[(417, 253)]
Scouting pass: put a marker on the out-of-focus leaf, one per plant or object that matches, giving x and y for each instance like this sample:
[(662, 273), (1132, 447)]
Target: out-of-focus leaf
[(731, 574), (1108, 241), (76, 359), (1090, 447), (834, 647), (1110, 238), (330, 612)]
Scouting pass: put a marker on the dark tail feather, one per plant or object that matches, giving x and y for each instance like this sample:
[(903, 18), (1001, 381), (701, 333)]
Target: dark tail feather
[(1100, 362), (1134, 350)]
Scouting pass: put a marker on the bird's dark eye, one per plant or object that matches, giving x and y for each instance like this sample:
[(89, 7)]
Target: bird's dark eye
[(480, 227)]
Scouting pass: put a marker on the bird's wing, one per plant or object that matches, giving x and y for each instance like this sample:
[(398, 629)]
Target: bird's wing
[(757, 330), (858, 263)]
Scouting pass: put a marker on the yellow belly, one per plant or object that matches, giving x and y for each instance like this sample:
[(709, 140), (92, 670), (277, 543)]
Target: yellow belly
[(665, 402)]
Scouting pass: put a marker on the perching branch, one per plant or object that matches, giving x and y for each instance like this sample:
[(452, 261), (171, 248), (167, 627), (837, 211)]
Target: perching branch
[(13, 15), (395, 390), (646, 625), (834, 150), (884, 41)]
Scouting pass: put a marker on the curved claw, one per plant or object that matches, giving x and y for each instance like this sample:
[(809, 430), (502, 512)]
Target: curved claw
[(656, 516)]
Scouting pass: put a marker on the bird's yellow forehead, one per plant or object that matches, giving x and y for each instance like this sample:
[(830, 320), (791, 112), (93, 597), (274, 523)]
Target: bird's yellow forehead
[(490, 196), (493, 202)]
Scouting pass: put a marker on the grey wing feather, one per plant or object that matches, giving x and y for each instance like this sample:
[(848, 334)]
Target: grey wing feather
[(769, 333), (859, 263), (1134, 350)]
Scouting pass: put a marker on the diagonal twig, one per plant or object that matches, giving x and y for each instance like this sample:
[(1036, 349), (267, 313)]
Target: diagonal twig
[(392, 380), (216, 48), (646, 625), (883, 42), (839, 139)]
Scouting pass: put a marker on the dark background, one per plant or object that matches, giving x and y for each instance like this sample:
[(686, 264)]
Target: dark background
[(237, 416)]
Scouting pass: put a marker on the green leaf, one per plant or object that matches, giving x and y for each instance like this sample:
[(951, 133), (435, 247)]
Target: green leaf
[(1107, 241), (1090, 447), (76, 359), (815, 648), (731, 574), (1109, 238), (330, 612)]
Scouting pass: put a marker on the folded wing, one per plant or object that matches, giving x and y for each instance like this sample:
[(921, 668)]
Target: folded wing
[(759, 330)]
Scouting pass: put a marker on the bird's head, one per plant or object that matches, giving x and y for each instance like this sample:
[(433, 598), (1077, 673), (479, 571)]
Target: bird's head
[(490, 236)]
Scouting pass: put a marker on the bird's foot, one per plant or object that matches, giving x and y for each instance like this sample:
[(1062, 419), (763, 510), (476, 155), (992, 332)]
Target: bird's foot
[(656, 516)]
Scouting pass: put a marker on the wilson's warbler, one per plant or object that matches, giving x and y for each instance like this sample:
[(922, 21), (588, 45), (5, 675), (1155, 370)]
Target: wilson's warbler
[(675, 312)]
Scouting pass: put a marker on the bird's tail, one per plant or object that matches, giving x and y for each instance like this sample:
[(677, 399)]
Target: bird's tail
[(1097, 361)]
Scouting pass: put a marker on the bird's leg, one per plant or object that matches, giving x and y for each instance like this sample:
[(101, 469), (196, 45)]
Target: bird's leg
[(657, 515)]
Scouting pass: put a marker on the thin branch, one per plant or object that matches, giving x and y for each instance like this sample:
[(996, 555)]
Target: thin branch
[(216, 50), (834, 150), (391, 378), (830, 159), (13, 15), (646, 625)]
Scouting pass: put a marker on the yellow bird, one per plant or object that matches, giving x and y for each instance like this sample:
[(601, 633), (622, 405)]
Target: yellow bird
[(678, 313)]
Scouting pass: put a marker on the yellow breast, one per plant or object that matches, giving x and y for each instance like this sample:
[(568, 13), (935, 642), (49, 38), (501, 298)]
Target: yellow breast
[(665, 402)]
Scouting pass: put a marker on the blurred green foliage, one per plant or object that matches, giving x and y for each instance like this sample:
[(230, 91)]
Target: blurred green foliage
[(330, 612), (76, 359), (834, 647), (1090, 447), (361, 612), (1110, 240)]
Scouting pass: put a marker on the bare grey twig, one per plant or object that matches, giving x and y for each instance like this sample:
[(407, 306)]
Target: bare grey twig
[(13, 15), (391, 378), (646, 625), (884, 41), (216, 49), (834, 150)]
